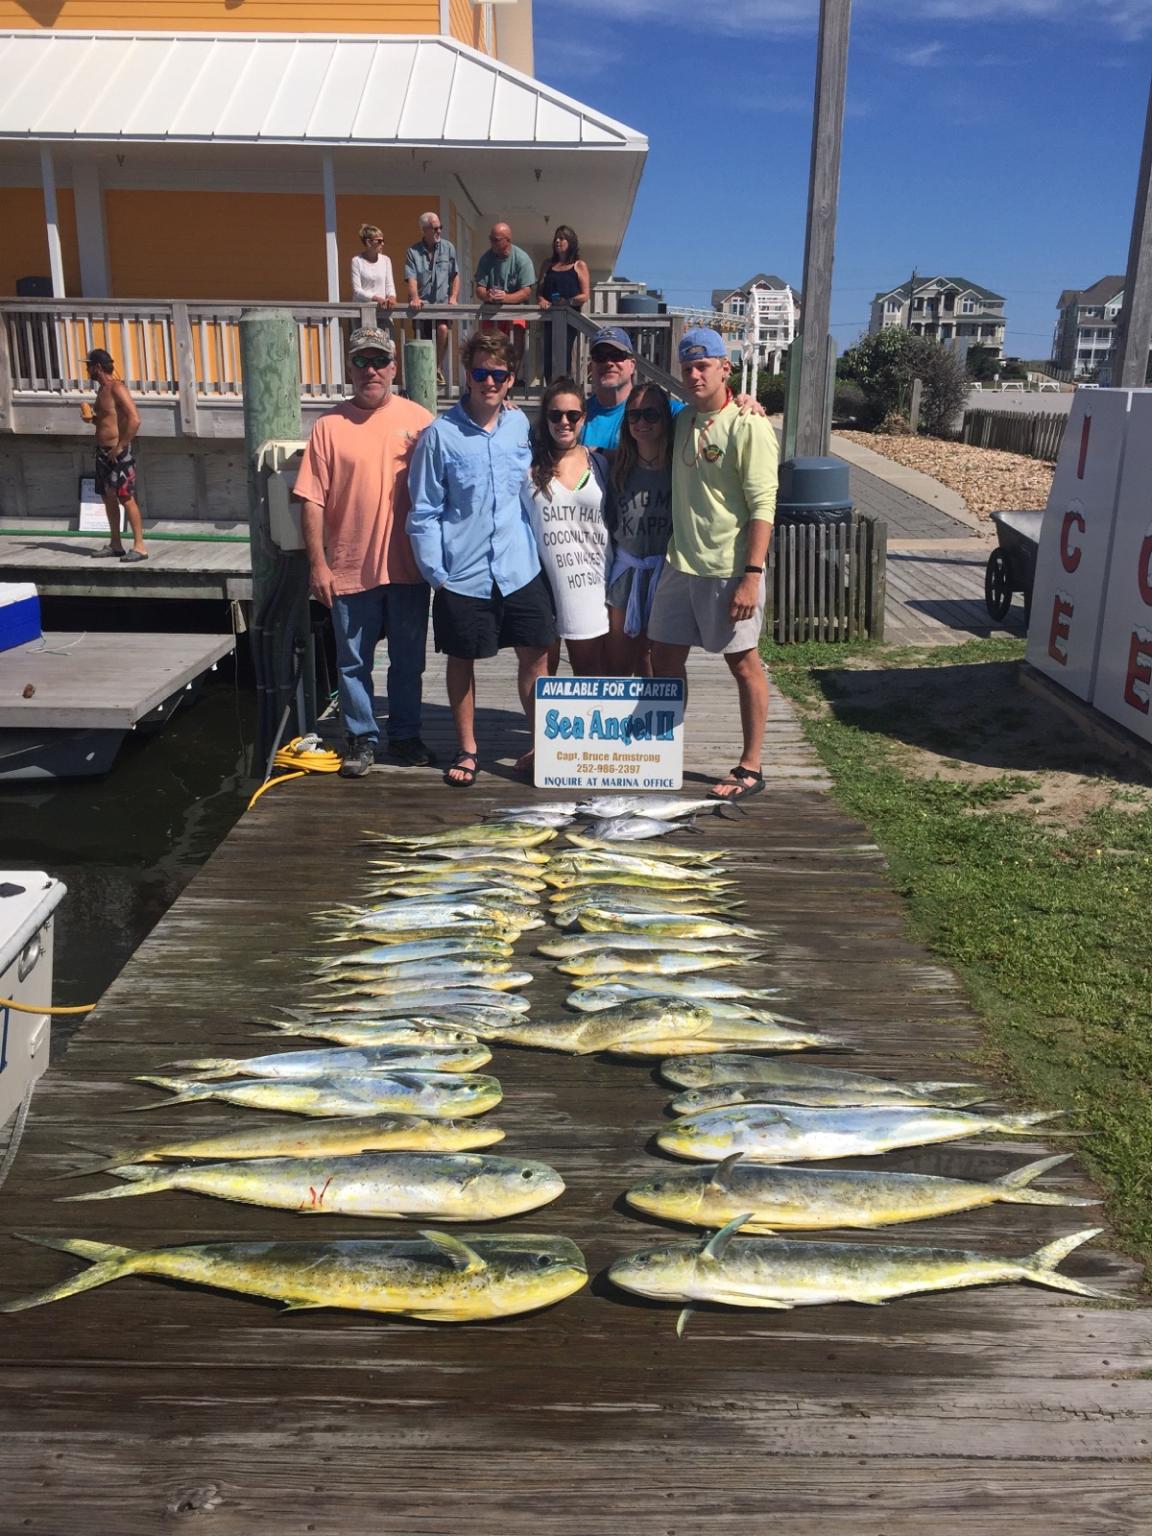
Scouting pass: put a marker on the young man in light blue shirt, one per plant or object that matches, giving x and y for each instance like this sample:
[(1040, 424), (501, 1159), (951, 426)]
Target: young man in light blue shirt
[(474, 544)]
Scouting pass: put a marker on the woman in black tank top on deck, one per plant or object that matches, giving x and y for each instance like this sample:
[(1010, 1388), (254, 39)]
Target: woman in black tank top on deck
[(564, 282)]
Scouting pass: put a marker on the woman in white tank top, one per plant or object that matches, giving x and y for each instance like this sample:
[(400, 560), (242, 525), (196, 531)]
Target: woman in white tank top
[(564, 497)]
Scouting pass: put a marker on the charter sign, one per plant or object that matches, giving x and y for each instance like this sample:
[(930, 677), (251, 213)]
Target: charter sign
[(609, 733)]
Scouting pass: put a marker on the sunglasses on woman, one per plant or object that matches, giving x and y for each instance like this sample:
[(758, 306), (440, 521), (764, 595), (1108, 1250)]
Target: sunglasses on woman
[(571, 417), (497, 375), (647, 413)]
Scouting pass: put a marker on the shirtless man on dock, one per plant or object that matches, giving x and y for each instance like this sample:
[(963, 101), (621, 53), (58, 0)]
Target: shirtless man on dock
[(116, 420)]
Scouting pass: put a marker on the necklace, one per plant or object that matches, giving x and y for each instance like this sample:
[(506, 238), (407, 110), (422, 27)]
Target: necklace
[(702, 447), (649, 463)]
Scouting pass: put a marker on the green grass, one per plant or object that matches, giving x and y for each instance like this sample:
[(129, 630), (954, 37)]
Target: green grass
[(1047, 922)]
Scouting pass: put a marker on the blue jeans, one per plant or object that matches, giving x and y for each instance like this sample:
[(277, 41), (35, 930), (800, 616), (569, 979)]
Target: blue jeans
[(399, 613)]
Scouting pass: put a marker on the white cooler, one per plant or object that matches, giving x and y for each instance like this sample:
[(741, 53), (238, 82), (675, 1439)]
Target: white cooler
[(28, 898)]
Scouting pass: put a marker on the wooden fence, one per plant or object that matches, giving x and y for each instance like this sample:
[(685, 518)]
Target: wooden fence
[(827, 583), (1038, 436)]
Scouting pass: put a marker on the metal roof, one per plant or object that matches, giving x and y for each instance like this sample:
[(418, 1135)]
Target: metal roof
[(240, 88)]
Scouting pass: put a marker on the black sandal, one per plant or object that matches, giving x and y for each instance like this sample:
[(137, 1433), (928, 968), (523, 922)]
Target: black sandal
[(747, 780), (459, 764)]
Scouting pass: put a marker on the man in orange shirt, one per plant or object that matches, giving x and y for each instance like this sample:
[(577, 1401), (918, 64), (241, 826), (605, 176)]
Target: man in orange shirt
[(354, 486)]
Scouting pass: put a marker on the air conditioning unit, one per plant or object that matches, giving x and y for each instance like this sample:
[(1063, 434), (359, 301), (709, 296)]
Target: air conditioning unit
[(28, 898)]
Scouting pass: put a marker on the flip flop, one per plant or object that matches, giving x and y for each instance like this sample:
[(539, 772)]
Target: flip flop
[(748, 781), (460, 764), (108, 553), (133, 557)]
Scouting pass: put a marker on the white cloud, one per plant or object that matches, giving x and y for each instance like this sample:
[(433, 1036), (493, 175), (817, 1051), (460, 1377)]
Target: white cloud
[(923, 57)]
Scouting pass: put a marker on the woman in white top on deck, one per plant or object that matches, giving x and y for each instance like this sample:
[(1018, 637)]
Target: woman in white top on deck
[(372, 280), (564, 497)]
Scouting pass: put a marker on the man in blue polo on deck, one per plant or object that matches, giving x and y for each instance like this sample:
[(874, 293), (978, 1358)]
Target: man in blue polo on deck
[(712, 590), (475, 546)]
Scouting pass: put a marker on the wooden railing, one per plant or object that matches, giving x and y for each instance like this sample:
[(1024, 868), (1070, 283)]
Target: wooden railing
[(1038, 435), (827, 583), (185, 354)]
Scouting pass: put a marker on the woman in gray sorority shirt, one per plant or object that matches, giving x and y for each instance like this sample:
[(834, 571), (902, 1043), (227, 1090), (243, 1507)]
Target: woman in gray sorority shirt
[(638, 512)]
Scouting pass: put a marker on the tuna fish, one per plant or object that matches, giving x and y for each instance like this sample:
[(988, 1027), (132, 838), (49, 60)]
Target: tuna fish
[(445, 1186), (808, 1199), (777, 1273), (776, 1134), (437, 1277)]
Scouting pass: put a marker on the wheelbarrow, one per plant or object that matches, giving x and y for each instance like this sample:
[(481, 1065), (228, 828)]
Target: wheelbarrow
[(1011, 566)]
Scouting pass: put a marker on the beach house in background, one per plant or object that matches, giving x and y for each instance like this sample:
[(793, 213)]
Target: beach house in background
[(1086, 326), (771, 312), (951, 310), (154, 183)]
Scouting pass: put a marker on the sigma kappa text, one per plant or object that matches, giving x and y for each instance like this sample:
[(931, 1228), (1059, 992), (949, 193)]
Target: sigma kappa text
[(651, 725)]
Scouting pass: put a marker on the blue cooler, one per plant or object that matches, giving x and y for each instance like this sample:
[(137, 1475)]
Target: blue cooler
[(19, 614)]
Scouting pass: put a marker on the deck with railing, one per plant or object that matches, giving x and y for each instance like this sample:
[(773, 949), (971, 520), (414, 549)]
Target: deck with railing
[(181, 358)]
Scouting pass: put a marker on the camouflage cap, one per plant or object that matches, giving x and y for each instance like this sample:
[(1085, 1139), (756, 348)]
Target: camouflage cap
[(370, 338)]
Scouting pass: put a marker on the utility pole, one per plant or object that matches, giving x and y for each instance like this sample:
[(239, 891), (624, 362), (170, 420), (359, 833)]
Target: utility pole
[(1134, 326), (911, 296), (814, 341)]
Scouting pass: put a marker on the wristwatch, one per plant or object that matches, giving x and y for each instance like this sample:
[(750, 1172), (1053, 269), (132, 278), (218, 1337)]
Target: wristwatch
[(753, 570)]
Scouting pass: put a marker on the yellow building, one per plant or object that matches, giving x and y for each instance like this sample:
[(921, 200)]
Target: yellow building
[(234, 153)]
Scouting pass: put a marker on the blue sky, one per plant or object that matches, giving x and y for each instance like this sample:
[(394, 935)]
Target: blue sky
[(997, 140)]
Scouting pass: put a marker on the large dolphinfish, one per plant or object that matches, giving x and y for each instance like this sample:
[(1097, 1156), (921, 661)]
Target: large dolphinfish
[(453, 1186), (781, 1134), (779, 1273), (436, 1276), (441, 1095), (809, 1199)]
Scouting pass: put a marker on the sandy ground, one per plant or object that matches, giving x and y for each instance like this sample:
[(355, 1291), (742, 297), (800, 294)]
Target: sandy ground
[(987, 479), (974, 723)]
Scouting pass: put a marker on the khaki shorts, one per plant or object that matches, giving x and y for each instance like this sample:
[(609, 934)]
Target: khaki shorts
[(693, 610)]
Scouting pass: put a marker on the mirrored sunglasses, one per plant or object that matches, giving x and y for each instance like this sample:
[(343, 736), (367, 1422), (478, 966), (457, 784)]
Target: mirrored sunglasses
[(497, 375), (371, 360), (571, 417)]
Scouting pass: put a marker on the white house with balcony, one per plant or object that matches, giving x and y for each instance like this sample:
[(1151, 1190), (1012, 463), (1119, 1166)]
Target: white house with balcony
[(769, 310), (1086, 327), (951, 310)]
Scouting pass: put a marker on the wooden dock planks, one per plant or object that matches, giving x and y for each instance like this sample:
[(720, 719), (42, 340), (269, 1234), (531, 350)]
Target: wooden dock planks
[(1004, 1412), (99, 681)]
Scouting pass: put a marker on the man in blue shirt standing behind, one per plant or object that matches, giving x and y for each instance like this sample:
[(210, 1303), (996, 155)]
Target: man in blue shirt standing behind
[(474, 544)]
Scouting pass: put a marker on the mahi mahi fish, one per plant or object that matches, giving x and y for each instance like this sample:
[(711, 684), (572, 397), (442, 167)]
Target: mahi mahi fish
[(444, 1186), (575, 945), (779, 1134), (657, 925), (420, 949), (497, 834), (670, 853), (439, 1094), (483, 976), (696, 1101), (464, 1057), (648, 964), (736, 1068), (418, 1004), (320, 1138), (778, 1273), (662, 1018), (436, 1276), (769, 1032), (696, 989), (809, 1199)]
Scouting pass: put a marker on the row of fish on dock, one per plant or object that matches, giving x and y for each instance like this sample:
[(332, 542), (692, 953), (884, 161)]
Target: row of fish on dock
[(425, 980)]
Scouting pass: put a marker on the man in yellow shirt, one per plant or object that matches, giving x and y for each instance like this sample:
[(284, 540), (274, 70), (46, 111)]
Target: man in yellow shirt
[(711, 592)]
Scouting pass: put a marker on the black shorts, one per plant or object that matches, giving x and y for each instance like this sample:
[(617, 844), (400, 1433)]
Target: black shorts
[(473, 628)]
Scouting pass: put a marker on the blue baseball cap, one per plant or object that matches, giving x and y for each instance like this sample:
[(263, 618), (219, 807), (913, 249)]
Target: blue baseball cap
[(701, 342), (613, 336)]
